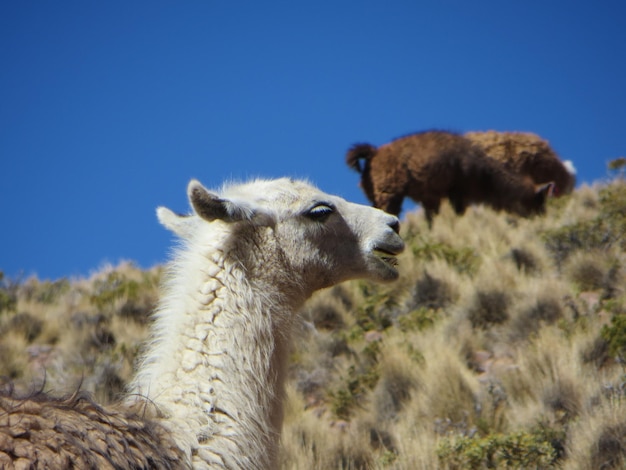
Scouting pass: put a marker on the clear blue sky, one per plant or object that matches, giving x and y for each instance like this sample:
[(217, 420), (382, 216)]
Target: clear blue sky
[(108, 108)]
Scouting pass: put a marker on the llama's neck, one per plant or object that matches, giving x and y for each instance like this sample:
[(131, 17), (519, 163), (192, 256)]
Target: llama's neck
[(216, 367), (501, 189)]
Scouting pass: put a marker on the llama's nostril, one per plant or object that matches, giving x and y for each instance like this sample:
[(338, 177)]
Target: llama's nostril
[(395, 226)]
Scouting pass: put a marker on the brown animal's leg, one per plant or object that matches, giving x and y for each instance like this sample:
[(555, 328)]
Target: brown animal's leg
[(431, 209), (458, 202), (459, 206)]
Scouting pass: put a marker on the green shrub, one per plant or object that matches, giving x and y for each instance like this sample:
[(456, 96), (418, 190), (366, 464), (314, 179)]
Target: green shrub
[(538, 448), (348, 396), (613, 211), (418, 319), (115, 286), (615, 336), (8, 294), (464, 259), (375, 312), (48, 292), (617, 165)]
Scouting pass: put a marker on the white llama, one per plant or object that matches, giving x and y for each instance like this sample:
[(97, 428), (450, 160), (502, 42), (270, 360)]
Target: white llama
[(215, 367)]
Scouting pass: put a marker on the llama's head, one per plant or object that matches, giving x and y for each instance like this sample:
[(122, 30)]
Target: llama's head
[(290, 233), (533, 202)]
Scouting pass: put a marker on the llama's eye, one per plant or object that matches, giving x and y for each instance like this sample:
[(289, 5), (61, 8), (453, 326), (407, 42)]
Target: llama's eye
[(320, 212)]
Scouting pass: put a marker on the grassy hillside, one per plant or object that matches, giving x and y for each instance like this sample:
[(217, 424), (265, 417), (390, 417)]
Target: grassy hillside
[(501, 346)]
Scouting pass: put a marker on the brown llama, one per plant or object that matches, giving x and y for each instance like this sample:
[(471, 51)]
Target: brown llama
[(433, 165), (530, 155), (43, 432)]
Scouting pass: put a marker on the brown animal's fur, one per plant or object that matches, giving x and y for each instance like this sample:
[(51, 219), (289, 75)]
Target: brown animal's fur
[(433, 165), (527, 154), (41, 432)]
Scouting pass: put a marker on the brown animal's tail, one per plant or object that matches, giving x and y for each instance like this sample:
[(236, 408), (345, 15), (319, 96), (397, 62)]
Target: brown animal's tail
[(358, 152)]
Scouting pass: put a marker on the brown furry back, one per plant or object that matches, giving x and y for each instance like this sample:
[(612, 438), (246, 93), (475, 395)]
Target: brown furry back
[(506, 146), (359, 152), (40, 432)]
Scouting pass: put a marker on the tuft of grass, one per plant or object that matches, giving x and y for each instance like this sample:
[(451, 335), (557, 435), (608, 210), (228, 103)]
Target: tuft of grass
[(113, 287), (595, 270), (15, 362), (8, 294), (130, 298), (604, 231), (397, 383), (609, 452), (545, 310), (596, 353), (24, 324), (432, 293), (451, 394), (327, 317), (525, 261), (563, 399), (45, 292), (489, 308), (585, 235)]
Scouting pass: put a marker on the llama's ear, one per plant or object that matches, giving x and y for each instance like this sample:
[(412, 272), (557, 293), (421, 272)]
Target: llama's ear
[(542, 193), (210, 206), (181, 225), (546, 189)]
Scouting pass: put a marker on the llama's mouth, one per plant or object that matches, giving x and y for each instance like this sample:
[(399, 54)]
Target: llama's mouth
[(386, 256), (383, 256)]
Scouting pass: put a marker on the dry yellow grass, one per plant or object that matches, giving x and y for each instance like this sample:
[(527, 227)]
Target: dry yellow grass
[(488, 333), (492, 339)]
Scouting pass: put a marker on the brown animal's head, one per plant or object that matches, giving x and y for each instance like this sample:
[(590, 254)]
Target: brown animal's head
[(544, 168), (535, 204), (530, 155), (364, 152)]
